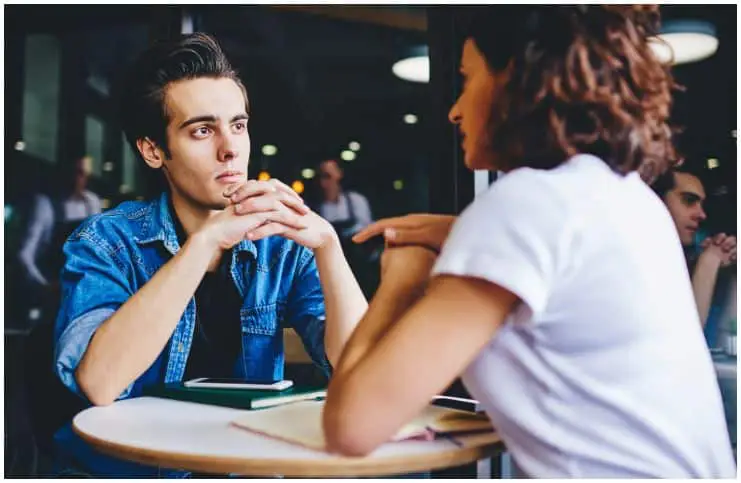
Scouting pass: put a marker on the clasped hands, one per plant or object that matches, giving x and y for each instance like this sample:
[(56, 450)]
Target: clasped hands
[(258, 209)]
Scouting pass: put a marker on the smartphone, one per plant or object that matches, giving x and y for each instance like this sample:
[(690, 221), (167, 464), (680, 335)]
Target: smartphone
[(224, 383)]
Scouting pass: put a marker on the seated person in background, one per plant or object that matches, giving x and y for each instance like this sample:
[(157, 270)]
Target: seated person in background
[(561, 293), (684, 195), (193, 284), (52, 220)]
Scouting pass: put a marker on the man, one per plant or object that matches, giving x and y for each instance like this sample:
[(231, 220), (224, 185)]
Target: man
[(52, 219), (348, 211), (684, 195), (193, 284)]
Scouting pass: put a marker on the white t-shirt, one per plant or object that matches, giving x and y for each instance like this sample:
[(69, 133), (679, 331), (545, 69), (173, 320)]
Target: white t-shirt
[(602, 370)]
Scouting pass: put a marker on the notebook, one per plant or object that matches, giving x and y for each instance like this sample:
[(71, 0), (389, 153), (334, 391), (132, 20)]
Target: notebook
[(301, 423), (236, 398)]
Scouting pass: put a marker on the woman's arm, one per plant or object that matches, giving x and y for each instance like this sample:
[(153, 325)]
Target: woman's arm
[(386, 377)]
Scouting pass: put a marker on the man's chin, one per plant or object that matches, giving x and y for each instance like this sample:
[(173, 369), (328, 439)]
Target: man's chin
[(217, 205)]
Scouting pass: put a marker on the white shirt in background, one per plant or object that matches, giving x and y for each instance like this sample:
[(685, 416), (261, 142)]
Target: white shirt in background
[(602, 370), (339, 211), (41, 228)]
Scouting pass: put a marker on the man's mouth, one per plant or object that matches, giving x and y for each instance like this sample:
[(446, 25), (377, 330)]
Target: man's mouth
[(230, 176)]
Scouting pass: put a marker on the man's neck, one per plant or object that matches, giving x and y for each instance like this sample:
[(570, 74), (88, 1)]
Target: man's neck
[(334, 197), (191, 218)]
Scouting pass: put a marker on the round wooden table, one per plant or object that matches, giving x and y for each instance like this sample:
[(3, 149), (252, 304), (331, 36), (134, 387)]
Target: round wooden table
[(196, 437)]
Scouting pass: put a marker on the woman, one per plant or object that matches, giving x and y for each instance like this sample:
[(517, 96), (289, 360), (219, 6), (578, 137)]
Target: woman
[(560, 295)]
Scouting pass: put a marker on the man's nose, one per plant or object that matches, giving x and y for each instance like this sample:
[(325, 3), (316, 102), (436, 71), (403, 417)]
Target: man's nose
[(228, 150)]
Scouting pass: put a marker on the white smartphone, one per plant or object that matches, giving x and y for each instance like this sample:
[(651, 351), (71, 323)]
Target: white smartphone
[(223, 383)]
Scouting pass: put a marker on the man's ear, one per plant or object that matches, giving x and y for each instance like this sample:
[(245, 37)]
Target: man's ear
[(152, 154)]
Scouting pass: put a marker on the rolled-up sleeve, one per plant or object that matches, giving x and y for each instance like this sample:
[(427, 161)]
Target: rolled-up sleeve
[(94, 285), (306, 312)]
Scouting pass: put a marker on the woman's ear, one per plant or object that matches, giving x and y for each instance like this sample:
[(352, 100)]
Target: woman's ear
[(152, 154)]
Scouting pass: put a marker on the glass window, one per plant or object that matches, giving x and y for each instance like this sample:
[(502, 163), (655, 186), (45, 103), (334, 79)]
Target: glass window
[(41, 96)]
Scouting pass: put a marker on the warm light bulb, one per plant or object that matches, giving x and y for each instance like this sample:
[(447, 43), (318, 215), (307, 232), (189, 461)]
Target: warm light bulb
[(298, 186)]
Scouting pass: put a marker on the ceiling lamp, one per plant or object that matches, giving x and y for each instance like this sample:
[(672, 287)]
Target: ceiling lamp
[(684, 41), (415, 67)]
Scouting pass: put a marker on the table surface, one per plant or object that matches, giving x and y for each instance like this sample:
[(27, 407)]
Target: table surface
[(196, 437)]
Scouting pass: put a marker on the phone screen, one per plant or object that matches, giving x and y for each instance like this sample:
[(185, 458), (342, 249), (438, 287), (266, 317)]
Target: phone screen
[(225, 380)]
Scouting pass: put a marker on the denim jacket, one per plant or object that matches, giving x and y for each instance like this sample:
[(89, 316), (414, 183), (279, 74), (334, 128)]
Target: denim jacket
[(113, 254)]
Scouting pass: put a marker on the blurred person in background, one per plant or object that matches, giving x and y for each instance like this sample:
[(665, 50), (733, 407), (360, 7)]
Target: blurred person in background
[(561, 294), (348, 212), (708, 257), (52, 219)]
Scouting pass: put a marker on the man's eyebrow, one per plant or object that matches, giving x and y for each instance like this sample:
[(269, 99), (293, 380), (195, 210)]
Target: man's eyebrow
[(240, 117), (691, 195), (196, 119)]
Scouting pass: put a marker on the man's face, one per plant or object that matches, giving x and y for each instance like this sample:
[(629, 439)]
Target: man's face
[(83, 170), (685, 205), (207, 139), (329, 175)]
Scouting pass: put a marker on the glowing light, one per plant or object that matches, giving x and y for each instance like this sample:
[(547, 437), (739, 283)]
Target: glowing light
[(307, 173), (347, 155), (398, 185), (354, 146), (410, 119), (269, 150), (263, 176), (413, 69), (298, 186)]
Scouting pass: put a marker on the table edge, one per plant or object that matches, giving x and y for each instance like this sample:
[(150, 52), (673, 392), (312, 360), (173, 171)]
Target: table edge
[(336, 466)]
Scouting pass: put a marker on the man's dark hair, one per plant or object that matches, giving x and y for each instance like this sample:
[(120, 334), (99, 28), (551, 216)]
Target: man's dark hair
[(583, 80), (192, 56), (667, 181)]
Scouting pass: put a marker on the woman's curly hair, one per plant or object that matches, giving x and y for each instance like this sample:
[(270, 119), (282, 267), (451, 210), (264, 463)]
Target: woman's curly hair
[(583, 80)]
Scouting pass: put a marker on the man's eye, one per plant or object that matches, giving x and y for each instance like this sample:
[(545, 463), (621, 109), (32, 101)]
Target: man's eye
[(240, 126), (202, 131)]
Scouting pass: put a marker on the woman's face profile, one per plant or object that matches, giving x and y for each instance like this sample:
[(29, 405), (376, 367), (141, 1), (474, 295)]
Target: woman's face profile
[(478, 108)]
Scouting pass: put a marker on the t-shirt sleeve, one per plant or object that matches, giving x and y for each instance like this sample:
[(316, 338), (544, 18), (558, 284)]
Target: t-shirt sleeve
[(509, 236)]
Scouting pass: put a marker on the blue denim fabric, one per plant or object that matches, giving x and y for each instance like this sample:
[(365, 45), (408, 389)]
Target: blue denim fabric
[(112, 255)]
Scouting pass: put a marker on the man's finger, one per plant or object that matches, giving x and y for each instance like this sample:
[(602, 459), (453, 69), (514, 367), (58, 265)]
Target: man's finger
[(729, 243), (288, 218), (284, 187), (719, 238), (266, 230), (237, 193), (269, 202)]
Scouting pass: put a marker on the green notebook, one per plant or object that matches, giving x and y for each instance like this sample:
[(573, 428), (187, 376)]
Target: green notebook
[(236, 398)]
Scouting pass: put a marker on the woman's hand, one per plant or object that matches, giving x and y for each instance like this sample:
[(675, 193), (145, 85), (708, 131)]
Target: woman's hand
[(422, 229)]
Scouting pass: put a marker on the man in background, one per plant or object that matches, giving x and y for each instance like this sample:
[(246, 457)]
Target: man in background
[(684, 195), (53, 218), (348, 212)]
